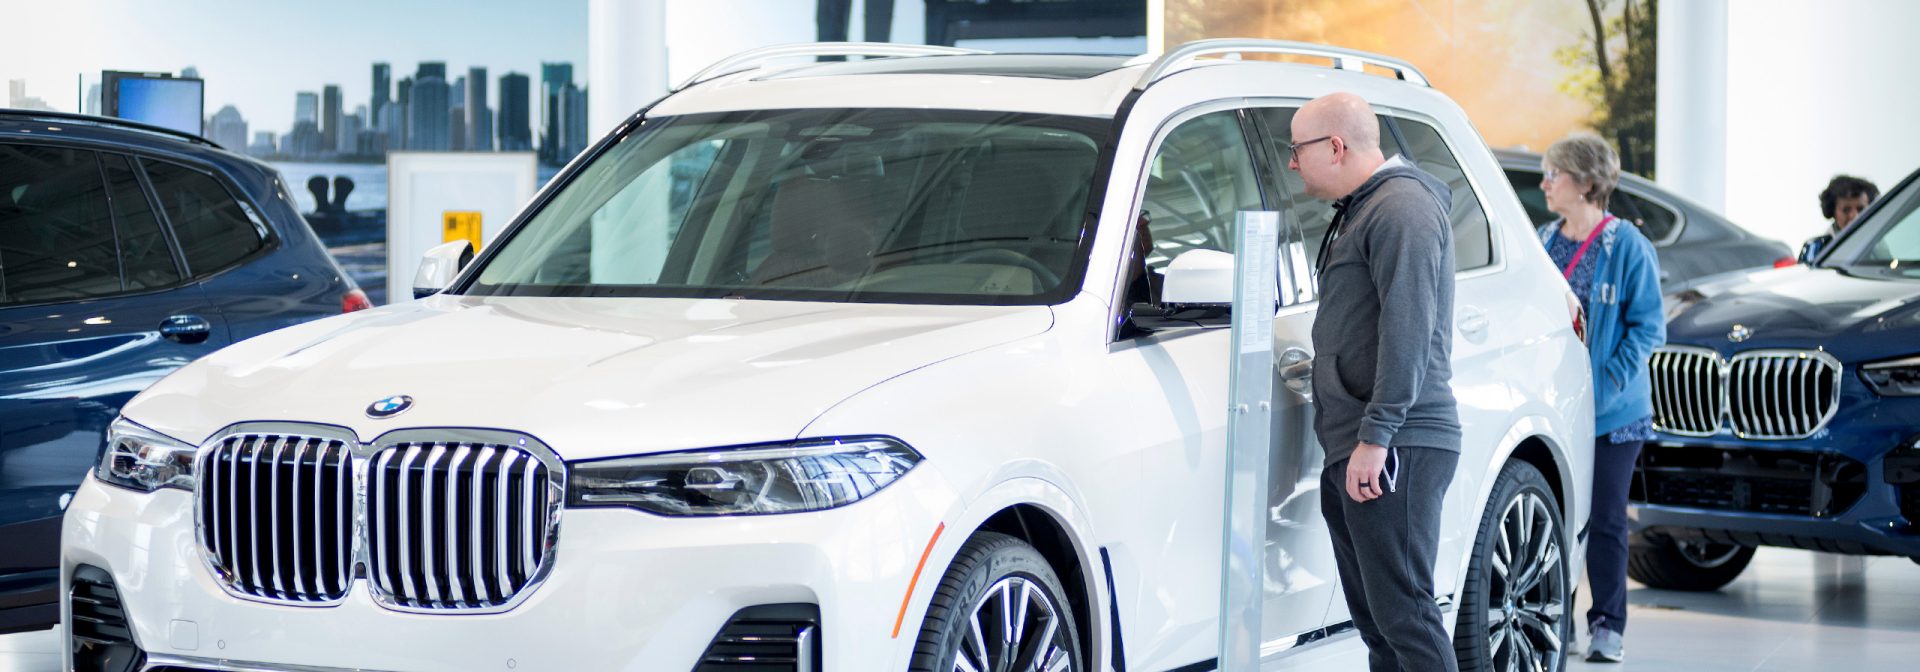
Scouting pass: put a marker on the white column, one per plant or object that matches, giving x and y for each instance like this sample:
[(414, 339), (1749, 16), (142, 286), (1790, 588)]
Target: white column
[(1156, 26), (1690, 108), (627, 68), (626, 59)]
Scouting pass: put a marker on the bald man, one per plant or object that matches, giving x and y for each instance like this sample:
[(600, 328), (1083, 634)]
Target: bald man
[(1384, 410)]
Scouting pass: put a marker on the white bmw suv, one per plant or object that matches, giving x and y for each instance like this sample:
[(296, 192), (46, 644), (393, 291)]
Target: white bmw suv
[(838, 366)]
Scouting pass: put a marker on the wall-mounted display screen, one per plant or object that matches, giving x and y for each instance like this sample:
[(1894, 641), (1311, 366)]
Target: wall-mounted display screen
[(175, 103)]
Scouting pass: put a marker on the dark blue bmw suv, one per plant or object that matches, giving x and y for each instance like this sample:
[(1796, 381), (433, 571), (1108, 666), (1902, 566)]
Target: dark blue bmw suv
[(126, 251), (1788, 405)]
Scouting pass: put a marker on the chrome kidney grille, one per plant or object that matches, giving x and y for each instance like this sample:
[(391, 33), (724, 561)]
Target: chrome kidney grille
[(456, 525), (277, 515), (1688, 397), (454, 520), (1761, 394), (1782, 394)]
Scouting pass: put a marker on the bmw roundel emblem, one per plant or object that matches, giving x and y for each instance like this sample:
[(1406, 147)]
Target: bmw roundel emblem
[(1740, 333), (389, 407)]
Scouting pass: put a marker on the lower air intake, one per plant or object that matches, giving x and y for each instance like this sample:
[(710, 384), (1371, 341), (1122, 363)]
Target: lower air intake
[(766, 638)]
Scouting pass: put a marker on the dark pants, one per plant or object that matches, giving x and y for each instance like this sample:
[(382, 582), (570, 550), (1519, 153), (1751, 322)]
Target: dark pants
[(1607, 535), (1385, 550)]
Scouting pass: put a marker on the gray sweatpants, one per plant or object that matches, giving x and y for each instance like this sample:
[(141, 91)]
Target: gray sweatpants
[(1385, 551)]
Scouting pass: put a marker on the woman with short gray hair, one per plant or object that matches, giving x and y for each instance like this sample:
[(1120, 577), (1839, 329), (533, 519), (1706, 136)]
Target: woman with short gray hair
[(1590, 162), (1611, 267)]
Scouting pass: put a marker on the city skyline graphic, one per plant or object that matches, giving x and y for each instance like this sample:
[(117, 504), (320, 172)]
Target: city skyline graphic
[(476, 76)]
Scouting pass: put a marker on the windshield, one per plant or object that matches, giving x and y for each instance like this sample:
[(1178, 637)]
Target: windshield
[(1888, 243), (866, 205)]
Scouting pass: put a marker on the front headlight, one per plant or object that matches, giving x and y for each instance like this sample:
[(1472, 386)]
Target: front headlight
[(142, 459), (1893, 378), (786, 478)]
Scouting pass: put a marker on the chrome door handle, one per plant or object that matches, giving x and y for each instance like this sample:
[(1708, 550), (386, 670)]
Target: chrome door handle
[(1296, 371), (187, 329), (1474, 323)]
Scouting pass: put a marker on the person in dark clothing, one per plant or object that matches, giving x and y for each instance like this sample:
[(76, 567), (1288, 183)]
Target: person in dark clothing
[(1612, 268), (1385, 411), (1841, 202)]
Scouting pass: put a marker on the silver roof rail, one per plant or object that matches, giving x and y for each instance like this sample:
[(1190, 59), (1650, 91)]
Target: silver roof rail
[(748, 60), (1343, 58)]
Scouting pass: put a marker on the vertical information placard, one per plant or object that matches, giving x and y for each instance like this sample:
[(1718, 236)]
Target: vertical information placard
[(1249, 438)]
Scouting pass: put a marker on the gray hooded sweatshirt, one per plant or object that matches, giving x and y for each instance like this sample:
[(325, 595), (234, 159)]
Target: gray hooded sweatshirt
[(1383, 337)]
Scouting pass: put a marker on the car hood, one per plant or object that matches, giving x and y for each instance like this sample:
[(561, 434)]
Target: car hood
[(591, 377), (1857, 317)]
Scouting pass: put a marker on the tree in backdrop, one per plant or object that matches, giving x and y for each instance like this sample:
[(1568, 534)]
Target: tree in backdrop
[(1614, 71)]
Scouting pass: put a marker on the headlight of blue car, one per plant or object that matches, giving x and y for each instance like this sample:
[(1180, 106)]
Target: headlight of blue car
[(1893, 378), (141, 459), (807, 475)]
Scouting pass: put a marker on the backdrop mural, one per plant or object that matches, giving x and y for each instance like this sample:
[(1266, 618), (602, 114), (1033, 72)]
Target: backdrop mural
[(1528, 72)]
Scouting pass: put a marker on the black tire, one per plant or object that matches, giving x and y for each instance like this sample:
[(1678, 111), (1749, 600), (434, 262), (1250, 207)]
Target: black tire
[(1661, 562), (1517, 619), (1003, 564)]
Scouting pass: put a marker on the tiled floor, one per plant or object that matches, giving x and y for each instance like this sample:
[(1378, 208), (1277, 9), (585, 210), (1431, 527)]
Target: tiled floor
[(30, 652), (1792, 610)]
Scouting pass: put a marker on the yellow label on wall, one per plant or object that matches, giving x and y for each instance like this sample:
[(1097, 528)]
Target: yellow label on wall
[(461, 225)]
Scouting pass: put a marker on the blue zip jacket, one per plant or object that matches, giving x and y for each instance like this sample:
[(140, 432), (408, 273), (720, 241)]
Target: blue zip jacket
[(1625, 322)]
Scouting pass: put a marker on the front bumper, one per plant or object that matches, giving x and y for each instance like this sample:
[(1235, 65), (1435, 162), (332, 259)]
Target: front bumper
[(1841, 497), (629, 590)]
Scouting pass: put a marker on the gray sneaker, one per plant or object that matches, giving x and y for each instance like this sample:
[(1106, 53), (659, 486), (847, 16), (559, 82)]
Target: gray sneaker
[(1606, 647)]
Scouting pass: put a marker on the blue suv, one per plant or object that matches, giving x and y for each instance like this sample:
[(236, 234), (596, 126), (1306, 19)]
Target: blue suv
[(1788, 404), (126, 251)]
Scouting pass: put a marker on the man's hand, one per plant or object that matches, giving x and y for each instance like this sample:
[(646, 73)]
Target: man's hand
[(1364, 471)]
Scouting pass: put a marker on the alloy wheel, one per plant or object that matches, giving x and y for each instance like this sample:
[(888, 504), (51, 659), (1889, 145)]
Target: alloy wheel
[(1529, 590), (1014, 627)]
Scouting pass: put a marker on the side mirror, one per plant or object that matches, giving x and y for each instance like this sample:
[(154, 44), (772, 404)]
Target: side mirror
[(1199, 277), (1197, 292), (439, 266)]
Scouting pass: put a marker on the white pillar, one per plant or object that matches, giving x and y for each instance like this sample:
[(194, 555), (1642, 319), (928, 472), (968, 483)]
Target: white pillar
[(1157, 26), (1690, 108), (626, 59)]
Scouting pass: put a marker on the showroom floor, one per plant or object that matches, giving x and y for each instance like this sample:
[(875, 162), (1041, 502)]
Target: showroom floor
[(1792, 610)]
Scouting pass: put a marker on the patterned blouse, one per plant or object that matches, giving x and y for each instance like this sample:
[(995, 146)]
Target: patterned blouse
[(1562, 250)]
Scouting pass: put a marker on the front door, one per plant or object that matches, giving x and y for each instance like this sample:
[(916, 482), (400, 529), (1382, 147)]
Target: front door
[(1201, 174), (92, 310)]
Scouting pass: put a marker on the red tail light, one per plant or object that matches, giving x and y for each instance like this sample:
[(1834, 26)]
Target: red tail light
[(354, 300), (1784, 262)]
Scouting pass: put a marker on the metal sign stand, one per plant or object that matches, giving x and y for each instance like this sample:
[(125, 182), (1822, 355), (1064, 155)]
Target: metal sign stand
[(1249, 432)]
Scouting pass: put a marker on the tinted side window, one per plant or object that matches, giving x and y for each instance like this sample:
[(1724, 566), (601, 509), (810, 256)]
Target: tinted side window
[(56, 234), (1656, 221), (1526, 185), (214, 230), (1199, 178), (146, 260), (1472, 241)]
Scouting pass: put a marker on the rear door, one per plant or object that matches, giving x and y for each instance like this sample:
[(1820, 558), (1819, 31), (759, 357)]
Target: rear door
[(93, 308), (252, 280)]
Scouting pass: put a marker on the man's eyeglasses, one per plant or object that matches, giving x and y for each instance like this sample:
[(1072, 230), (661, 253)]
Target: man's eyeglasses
[(1293, 150)]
